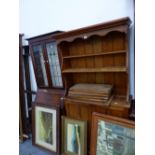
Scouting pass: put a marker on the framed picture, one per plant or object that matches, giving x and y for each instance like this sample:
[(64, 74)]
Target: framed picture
[(111, 135), (46, 128), (74, 136)]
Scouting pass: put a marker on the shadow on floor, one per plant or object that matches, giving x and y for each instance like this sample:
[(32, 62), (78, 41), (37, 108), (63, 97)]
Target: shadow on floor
[(26, 148)]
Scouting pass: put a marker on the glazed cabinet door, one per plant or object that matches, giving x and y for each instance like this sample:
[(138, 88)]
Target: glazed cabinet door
[(54, 65), (40, 68)]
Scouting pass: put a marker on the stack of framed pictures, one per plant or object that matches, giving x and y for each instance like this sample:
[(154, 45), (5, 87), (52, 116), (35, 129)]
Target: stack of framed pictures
[(109, 135)]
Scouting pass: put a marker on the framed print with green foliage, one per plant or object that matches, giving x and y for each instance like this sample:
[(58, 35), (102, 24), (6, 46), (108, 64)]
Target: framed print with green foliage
[(112, 135), (46, 128), (74, 136)]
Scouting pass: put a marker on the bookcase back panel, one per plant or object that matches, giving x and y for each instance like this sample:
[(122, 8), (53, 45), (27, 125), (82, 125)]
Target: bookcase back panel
[(81, 78), (119, 80), (67, 64), (119, 60), (64, 46)]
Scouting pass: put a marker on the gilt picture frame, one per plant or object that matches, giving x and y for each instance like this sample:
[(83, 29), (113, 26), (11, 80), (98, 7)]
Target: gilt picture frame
[(46, 130), (112, 135), (74, 136)]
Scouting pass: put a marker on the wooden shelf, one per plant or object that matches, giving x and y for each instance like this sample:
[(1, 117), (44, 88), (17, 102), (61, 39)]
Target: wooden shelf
[(78, 101), (91, 70), (95, 54), (114, 102)]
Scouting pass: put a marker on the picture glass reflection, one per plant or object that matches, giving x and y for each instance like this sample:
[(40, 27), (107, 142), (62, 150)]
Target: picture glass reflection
[(73, 138), (45, 124), (45, 128), (114, 139)]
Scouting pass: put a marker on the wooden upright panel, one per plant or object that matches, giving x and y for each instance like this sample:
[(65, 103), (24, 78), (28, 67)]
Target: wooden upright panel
[(90, 63)]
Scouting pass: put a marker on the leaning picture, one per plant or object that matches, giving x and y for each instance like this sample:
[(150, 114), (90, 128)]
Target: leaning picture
[(45, 127), (74, 135), (112, 135)]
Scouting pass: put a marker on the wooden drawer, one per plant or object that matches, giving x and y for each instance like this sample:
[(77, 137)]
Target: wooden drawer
[(118, 112)]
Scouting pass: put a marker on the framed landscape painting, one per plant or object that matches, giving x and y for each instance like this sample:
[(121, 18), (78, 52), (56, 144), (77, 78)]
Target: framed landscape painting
[(45, 129), (74, 136), (112, 136)]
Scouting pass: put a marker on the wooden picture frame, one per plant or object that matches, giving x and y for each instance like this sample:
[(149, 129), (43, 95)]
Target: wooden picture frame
[(74, 136), (112, 135), (46, 128)]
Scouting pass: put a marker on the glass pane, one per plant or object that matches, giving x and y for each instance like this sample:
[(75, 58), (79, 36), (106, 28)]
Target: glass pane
[(57, 80), (39, 61), (115, 139), (54, 64), (58, 70), (60, 80)]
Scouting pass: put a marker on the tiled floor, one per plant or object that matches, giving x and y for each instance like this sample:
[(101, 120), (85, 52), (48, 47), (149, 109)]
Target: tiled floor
[(26, 148)]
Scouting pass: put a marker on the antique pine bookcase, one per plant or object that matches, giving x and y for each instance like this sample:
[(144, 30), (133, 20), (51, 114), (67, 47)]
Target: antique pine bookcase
[(96, 54)]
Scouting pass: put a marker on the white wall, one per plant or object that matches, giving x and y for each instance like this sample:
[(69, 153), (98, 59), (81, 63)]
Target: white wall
[(43, 16)]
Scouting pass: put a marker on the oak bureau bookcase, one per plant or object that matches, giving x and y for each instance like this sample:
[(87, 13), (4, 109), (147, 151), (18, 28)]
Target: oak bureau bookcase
[(47, 107)]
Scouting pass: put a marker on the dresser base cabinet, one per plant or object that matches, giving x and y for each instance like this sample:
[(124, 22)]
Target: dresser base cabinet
[(83, 111)]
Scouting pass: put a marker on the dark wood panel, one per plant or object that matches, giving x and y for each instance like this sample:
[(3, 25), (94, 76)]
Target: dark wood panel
[(80, 78), (49, 97), (24, 120), (65, 48), (28, 96)]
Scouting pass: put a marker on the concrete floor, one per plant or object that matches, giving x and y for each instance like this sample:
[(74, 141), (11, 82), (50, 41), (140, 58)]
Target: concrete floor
[(26, 148)]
